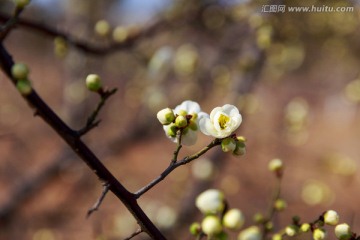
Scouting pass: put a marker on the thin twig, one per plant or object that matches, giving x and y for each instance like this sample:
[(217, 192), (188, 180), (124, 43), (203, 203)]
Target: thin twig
[(173, 165), (96, 206), (91, 121), (179, 146), (6, 28), (137, 232)]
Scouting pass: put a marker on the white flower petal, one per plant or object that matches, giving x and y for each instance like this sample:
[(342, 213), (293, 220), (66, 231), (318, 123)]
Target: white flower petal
[(207, 127), (189, 138)]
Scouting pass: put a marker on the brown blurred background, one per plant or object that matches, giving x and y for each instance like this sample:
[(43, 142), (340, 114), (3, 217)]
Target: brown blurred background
[(294, 77)]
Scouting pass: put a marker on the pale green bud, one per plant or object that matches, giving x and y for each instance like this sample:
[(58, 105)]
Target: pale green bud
[(305, 227), (233, 219), (319, 234), (182, 113), (181, 121), (276, 165), (277, 236), (342, 231), (228, 145), (172, 130), (19, 71), (291, 230), (331, 217), (93, 82), (193, 126), (210, 202), (241, 139), (120, 34), (240, 148), (102, 28), (250, 233), (24, 87), (21, 3), (280, 204), (166, 116), (258, 218), (195, 228), (211, 225)]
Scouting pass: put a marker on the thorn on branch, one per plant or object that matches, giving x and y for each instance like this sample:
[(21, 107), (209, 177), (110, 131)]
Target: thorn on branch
[(96, 206)]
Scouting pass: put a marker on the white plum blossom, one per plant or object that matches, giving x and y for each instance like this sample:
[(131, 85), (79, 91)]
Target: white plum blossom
[(189, 136), (222, 122)]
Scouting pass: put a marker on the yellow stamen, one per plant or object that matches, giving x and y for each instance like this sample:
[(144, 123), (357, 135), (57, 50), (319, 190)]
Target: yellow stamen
[(223, 120)]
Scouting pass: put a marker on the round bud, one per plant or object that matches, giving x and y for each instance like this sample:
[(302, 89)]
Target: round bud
[(258, 218), (305, 227), (331, 217), (102, 28), (241, 139), (24, 87), (93, 82), (211, 201), (240, 148), (181, 121), (228, 145), (120, 34), (19, 71), (276, 165), (21, 3), (319, 234), (171, 130), (291, 230), (280, 204), (342, 231), (233, 219), (166, 116), (250, 233), (211, 225), (182, 113), (195, 228), (277, 236)]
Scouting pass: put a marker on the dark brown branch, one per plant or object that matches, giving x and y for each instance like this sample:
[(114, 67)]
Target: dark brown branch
[(84, 45), (72, 139)]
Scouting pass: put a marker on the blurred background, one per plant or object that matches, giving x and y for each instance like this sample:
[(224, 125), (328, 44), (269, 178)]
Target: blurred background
[(293, 75)]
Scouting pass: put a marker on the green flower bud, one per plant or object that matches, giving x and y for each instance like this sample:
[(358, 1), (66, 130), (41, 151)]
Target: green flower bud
[(241, 139), (240, 148), (181, 121), (277, 236), (166, 116), (102, 28), (305, 227), (331, 217), (120, 34), (211, 225), (258, 218), (228, 145), (269, 226), (24, 87), (233, 219), (182, 113), (319, 234), (250, 233), (291, 230), (21, 3), (342, 231), (19, 71), (195, 229), (276, 165), (280, 204), (172, 130), (93, 82)]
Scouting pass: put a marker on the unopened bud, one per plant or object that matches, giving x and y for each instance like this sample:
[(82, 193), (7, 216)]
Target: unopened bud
[(240, 148), (19, 71), (195, 228), (102, 28), (277, 236), (342, 231), (181, 121), (276, 165), (211, 225), (331, 217), (305, 227), (166, 116), (93, 82), (291, 230), (280, 204), (228, 145), (233, 219), (24, 87), (319, 234)]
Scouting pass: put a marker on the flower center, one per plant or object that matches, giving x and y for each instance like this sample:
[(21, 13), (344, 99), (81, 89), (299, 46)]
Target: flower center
[(223, 120)]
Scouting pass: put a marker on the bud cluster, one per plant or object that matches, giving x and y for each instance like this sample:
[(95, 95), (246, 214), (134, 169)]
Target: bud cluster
[(20, 72)]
